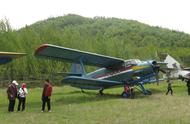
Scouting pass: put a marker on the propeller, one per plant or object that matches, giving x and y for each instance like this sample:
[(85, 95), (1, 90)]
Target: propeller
[(156, 69)]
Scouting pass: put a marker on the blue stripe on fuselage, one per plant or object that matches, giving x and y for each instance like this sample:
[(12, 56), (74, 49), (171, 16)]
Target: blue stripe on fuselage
[(123, 74)]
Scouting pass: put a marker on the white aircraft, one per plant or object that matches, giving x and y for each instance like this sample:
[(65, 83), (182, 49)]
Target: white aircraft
[(174, 69)]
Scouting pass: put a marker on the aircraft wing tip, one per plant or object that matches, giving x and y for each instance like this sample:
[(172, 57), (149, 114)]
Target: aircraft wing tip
[(40, 49)]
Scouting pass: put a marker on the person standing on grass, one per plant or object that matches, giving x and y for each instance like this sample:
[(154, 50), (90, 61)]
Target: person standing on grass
[(22, 96), (169, 88), (188, 86), (126, 92), (46, 95), (12, 95)]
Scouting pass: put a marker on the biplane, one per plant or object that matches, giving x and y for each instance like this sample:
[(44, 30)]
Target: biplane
[(6, 57), (112, 72)]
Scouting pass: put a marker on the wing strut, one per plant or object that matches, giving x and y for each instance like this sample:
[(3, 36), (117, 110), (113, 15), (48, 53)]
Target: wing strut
[(145, 91), (83, 68)]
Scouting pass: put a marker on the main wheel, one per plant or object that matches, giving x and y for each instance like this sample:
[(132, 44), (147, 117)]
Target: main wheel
[(148, 92), (101, 92)]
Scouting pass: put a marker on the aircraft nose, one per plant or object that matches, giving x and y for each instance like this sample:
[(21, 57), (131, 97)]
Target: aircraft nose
[(155, 66)]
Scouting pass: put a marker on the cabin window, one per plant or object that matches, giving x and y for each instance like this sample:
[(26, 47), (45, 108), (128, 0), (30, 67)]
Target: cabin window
[(132, 62)]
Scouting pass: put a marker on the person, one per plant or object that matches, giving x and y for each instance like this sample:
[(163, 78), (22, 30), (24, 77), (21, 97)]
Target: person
[(126, 92), (169, 88), (22, 96), (46, 95), (188, 86), (12, 94), (132, 94)]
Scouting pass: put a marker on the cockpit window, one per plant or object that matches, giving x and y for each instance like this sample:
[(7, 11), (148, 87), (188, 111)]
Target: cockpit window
[(132, 62)]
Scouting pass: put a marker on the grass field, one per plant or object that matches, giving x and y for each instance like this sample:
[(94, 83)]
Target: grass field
[(70, 106)]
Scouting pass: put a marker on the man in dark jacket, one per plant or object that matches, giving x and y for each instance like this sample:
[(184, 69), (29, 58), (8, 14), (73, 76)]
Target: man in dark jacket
[(46, 95), (169, 88), (188, 86), (12, 94)]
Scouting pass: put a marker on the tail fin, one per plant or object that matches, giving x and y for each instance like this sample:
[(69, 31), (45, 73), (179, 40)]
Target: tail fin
[(77, 69), (171, 62)]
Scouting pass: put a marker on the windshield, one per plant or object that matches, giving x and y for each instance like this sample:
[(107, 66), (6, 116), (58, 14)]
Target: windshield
[(132, 62)]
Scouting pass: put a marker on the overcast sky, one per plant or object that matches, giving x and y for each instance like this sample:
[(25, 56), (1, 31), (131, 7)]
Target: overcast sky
[(172, 14)]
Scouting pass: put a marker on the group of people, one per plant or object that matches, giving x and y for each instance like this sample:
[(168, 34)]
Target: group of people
[(128, 92), (15, 92), (169, 88)]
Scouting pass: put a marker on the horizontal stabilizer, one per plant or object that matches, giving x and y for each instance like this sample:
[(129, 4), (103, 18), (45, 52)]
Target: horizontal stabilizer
[(187, 68)]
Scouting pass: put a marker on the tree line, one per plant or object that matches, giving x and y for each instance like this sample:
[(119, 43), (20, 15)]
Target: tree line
[(120, 38)]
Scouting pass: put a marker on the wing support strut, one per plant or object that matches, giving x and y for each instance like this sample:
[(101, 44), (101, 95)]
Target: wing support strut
[(83, 71), (145, 91), (101, 91), (82, 65)]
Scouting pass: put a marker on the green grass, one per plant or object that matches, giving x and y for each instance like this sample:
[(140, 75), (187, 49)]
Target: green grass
[(70, 106)]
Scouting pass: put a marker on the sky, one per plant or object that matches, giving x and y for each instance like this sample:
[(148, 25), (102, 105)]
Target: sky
[(171, 14)]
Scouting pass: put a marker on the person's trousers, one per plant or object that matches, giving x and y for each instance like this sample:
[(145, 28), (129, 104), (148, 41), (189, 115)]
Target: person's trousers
[(169, 90), (22, 101), (188, 90), (44, 101), (11, 105)]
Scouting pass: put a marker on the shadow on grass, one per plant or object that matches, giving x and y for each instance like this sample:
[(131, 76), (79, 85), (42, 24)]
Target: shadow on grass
[(77, 97), (67, 93), (154, 91), (174, 86), (139, 94), (29, 105)]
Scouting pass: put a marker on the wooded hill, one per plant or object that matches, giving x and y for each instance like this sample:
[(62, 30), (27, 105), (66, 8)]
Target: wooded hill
[(109, 36)]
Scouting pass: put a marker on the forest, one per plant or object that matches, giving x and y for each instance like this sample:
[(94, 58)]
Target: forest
[(127, 39)]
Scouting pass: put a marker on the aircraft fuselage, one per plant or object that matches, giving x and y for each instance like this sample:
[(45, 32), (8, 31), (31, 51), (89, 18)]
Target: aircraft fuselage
[(127, 73)]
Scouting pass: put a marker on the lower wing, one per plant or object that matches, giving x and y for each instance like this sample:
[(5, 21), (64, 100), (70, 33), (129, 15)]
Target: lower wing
[(90, 83)]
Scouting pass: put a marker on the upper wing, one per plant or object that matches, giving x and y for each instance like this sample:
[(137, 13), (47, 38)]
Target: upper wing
[(89, 83), (6, 57), (76, 56)]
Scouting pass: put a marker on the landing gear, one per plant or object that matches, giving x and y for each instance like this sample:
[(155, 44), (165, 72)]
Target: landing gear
[(82, 90), (148, 92), (145, 91), (101, 91)]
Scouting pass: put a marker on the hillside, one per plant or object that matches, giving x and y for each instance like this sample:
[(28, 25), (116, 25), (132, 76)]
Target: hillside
[(109, 36)]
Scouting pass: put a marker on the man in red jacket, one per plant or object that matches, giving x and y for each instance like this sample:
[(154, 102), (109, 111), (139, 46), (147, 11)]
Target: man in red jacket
[(46, 95)]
